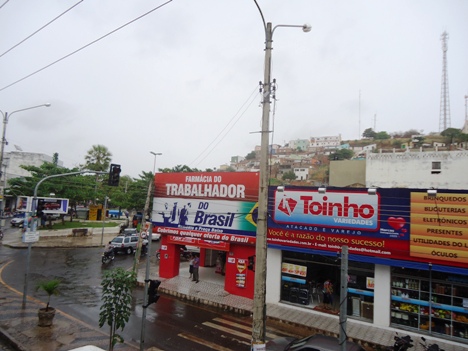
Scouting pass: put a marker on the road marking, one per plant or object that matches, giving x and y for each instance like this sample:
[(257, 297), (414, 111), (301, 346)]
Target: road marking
[(204, 342), (242, 326), (227, 330)]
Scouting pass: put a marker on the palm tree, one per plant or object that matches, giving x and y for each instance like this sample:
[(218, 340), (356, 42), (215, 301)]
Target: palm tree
[(50, 287), (98, 158)]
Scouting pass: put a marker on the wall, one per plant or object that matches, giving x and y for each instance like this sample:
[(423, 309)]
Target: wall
[(347, 172), (414, 170)]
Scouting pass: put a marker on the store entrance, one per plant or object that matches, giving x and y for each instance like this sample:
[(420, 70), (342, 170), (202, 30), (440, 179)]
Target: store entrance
[(212, 263)]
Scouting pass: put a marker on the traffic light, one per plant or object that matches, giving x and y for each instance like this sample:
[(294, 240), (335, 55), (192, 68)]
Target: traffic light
[(251, 264), (114, 175), (153, 295)]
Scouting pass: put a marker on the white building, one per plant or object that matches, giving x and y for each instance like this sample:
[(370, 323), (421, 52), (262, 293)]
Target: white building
[(15, 159), (325, 142), (299, 144), (302, 173), (432, 169)]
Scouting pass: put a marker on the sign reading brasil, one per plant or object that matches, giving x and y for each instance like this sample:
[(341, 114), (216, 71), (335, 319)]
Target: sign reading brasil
[(209, 206)]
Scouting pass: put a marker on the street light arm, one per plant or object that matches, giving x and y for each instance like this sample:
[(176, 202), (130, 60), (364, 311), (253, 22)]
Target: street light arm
[(305, 27), (261, 14), (6, 115), (28, 108)]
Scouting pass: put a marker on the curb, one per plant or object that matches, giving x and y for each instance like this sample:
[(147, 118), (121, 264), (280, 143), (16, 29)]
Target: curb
[(11, 341), (198, 300), (203, 301)]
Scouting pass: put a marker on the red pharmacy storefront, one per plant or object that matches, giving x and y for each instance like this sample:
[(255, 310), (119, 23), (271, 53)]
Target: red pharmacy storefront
[(215, 212)]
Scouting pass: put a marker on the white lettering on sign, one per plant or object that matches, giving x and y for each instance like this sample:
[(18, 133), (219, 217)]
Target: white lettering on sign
[(206, 190)]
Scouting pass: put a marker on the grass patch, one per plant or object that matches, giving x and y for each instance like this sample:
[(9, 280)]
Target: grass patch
[(76, 224)]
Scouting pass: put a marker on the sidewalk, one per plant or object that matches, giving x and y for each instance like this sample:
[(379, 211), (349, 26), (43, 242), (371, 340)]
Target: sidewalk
[(20, 327)]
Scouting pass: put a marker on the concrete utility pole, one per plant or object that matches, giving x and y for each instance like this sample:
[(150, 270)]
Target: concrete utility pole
[(343, 297), (259, 301)]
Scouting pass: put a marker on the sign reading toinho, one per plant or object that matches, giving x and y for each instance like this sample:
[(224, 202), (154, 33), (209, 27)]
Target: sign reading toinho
[(401, 224)]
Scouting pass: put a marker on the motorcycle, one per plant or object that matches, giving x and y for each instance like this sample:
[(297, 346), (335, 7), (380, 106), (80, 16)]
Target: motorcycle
[(122, 227), (108, 256), (430, 347), (402, 343)]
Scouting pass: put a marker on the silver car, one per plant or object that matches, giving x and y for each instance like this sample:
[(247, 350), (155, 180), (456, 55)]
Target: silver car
[(126, 244)]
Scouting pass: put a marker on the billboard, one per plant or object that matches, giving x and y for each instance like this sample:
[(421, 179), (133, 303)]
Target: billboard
[(49, 205), (207, 205), (404, 224)]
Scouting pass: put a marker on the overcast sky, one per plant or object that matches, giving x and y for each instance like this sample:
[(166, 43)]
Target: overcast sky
[(183, 80)]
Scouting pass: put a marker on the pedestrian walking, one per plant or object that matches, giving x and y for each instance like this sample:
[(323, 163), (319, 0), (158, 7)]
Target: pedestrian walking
[(196, 266), (191, 265), (328, 293)]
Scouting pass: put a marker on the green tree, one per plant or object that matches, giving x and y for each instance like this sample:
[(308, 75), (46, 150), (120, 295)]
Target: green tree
[(382, 136), (418, 141), (98, 158), (341, 154), (55, 159), (451, 135), (117, 285), (251, 156), (179, 169), (369, 133), (78, 189), (137, 190), (290, 175), (51, 288)]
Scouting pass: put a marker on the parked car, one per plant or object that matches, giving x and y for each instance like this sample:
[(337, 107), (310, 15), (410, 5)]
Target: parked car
[(17, 220), (317, 342), (125, 243)]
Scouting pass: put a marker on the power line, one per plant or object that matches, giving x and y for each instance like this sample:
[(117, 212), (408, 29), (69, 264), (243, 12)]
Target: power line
[(37, 31), (220, 136), (83, 47)]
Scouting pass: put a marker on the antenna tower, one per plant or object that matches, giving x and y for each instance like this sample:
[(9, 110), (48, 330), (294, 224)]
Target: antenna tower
[(465, 126), (444, 119)]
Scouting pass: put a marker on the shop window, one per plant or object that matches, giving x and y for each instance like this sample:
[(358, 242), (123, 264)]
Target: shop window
[(303, 277), (433, 302)]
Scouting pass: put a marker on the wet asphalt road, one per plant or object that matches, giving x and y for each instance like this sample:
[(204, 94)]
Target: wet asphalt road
[(170, 324)]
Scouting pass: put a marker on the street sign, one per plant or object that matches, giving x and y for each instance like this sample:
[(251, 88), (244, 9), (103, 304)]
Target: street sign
[(30, 237)]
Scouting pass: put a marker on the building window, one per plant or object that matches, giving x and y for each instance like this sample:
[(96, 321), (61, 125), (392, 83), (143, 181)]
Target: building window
[(436, 167), (434, 302)]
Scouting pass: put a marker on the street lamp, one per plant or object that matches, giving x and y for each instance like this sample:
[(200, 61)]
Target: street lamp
[(6, 115), (259, 305), (154, 164)]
